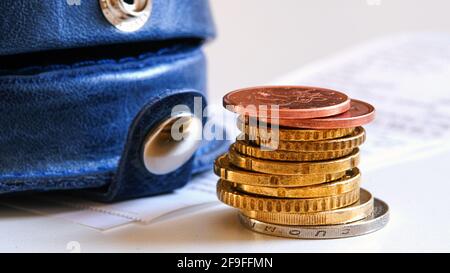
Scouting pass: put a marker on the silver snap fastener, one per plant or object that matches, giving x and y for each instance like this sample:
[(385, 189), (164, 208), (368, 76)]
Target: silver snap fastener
[(172, 143), (127, 15)]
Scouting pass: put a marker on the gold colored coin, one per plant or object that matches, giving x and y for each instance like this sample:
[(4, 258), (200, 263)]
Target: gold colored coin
[(264, 131), (349, 182), (246, 148), (277, 167), (355, 139), (227, 171), (234, 198), (360, 210)]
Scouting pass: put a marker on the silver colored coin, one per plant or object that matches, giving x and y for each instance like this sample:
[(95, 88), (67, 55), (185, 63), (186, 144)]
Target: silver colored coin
[(377, 220)]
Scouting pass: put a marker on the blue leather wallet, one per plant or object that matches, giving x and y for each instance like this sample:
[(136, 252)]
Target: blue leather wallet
[(80, 93)]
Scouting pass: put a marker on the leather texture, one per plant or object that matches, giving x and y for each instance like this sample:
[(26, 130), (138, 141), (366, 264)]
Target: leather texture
[(81, 126), (32, 25)]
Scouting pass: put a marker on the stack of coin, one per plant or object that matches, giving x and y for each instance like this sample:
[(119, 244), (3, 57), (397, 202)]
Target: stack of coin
[(293, 171)]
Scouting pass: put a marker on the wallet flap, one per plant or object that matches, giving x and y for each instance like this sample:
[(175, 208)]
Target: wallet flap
[(31, 26)]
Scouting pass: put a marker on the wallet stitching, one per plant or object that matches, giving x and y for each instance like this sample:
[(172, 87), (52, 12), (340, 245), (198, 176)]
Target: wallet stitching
[(131, 63), (54, 67)]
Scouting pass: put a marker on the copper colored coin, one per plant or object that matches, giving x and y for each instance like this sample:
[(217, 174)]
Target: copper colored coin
[(359, 114), (292, 102)]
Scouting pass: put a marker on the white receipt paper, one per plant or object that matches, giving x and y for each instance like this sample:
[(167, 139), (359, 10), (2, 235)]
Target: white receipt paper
[(405, 77)]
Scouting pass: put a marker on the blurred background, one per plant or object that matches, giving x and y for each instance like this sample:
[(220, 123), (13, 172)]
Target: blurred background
[(260, 40)]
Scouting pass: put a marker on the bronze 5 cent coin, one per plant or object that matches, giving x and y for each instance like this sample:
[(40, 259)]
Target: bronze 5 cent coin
[(287, 102), (360, 113)]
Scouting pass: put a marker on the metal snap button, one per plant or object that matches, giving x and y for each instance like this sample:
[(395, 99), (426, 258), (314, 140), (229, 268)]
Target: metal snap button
[(127, 15), (172, 143)]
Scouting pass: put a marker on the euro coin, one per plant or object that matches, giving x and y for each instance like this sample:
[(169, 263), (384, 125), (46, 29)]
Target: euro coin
[(227, 171), (246, 148), (348, 182), (243, 201), (360, 113), (375, 221), (360, 210), (257, 129), (277, 167), (288, 102), (354, 140)]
